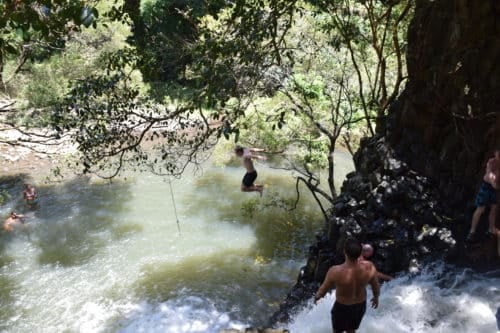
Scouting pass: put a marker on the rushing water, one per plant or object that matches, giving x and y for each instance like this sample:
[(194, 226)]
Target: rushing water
[(128, 257), (440, 299), (100, 257)]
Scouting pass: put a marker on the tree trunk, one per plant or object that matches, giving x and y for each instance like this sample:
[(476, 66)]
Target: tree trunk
[(133, 9), (2, 85), (448, 112)]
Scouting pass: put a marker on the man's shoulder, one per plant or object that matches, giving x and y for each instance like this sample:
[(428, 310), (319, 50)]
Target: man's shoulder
[(367, 266), (334, 269), (366, 263)]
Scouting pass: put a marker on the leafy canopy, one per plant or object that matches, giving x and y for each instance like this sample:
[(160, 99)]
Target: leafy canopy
[(31, 29), (346, 68)]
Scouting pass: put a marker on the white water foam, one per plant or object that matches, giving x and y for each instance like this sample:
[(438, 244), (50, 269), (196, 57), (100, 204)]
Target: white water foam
[(184, 315)]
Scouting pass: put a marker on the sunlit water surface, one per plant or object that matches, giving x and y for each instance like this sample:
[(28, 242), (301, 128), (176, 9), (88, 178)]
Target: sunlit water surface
[(129, 257), (133, 255)]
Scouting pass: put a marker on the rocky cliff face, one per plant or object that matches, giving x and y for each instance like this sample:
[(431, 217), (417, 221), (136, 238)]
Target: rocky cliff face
[(413, 190)]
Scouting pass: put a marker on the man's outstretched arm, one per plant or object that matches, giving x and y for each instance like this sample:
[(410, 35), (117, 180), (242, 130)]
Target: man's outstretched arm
[(256, 150), (375, 289), (384, 277), (326, 286)]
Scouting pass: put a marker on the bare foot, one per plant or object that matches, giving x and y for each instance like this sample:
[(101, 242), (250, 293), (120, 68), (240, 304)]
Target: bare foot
[(260, 189)]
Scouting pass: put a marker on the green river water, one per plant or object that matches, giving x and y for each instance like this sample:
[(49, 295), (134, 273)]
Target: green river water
[(107, 257)]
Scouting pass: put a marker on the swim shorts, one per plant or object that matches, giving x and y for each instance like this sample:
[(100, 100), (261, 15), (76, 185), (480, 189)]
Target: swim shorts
[(347, 317), (249, 178), (486, 195), (32, 202)]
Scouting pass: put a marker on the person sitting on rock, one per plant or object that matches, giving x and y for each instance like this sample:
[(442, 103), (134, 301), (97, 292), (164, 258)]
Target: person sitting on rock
[(487, 196), (366, 253)]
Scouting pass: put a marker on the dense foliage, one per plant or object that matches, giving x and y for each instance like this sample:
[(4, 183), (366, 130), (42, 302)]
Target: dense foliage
[(164, 31), (292, 76), (32, 30)]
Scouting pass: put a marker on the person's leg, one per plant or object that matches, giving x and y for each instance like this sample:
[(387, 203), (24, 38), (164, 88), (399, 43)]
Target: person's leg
[(475, 218), (498, 242), (253, 188), (259, 188), (248, 183), (347, 318), (492, 219)]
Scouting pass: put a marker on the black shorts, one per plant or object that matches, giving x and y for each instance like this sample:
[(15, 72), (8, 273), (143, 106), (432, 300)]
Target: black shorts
[(347, 317), (249, 178), (486, 195)]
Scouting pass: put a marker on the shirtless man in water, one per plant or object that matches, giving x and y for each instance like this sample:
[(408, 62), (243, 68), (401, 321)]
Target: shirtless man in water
[(12, 221), (30, 195), (350, 280), (247, 154)]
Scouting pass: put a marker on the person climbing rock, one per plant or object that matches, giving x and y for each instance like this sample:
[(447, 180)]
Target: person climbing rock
[(247, 154), (487, 196)]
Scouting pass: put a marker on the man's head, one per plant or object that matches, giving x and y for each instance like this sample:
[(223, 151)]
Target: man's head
[(238, 150), (13, 214), (352, 248), (367, 251)]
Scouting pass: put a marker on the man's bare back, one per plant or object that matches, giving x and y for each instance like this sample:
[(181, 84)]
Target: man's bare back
[(492, 173), (247, 161), (350, 280)]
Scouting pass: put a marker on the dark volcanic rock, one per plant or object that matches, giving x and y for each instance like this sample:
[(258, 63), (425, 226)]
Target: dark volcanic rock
[(400, 212)]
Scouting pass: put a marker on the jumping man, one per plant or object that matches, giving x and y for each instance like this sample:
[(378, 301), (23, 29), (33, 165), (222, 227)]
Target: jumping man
[(247, 154)]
